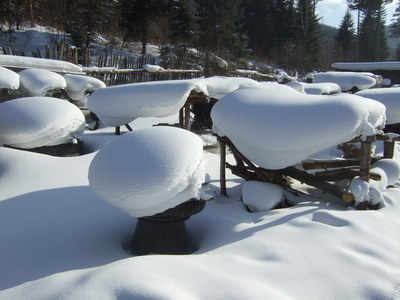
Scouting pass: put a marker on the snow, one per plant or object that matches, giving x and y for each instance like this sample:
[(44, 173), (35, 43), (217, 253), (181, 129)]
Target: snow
[(150, 170), (152, 68), (347, 80), (389, 97), (367, 66), (275, 126), (24, 62), (119, 105), (59, 240), (39, 82), (218, 86), (322, 88), (32, 122), (261, 196), (79, 86), (8, 79)]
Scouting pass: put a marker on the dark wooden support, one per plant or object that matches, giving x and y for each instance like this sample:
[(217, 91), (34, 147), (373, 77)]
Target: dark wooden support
[(181, 113), (330, 164), (365, 162), (128, 127), (222, 145), (388, 149), (117, 130), (187, 116)]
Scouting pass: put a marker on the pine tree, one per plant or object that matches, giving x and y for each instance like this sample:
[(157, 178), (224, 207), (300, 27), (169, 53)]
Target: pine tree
[(345, 39), (136, 16), (309, 33), (394, 28), (11, 11), (183, 24)]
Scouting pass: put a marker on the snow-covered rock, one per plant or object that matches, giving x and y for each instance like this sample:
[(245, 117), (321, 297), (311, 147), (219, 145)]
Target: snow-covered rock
[(347, 80), (149, 170), (8, 79), (39, 82), (32, 122), (391, 168), (261, 196), (275, 126), (390, 97), (78, 86), (121, 104), (322, 88)]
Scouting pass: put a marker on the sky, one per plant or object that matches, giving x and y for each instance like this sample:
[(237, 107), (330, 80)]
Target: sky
[(332, 11)]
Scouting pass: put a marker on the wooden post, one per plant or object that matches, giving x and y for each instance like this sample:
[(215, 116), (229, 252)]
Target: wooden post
[(117, 130), (222, 181), (365, 162), (388, 149), (181, 117), (187, 116)]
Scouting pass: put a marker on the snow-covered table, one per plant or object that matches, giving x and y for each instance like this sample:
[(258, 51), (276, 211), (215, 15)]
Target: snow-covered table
[(271, 129)]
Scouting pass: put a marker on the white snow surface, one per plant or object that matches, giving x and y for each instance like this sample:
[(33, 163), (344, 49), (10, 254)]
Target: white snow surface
[(367, 66), (119, 105), (24, 62), (261, 196), (322, 88), (152, 68), (61, 241), (149, 170), (38, 82), (347, 80), (390, 97), (218, 86), (275, 126), (8, 79), (32, 122), (78, 86)]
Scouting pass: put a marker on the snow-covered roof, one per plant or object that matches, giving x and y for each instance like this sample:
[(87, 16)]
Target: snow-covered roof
[(347, 80), (275, 126), (390, 97), (38, 82), (32, 122), (322, 88), (149, 170), (8, 79), (367, 66), (79, 85), (24, 62)]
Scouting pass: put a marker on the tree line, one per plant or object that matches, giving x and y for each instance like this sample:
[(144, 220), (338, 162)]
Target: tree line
[(285, 33)]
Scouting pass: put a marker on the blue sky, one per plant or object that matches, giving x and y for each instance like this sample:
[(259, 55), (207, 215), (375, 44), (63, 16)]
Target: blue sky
[(332, 11)]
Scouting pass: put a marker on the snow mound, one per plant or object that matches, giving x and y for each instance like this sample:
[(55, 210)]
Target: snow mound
[(323, 88), (149, 170), (24, 62), (261, 196), (391, 168), (218, 86), (388, 97), (8, 79), (78, 86), (275, 126), (121, 104), (152, 68), (347, 80), (38, 82), (367, 66), (32, 122)]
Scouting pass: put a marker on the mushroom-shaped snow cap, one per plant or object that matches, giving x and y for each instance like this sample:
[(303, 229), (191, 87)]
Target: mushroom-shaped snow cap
[(149, 170), (32, 122), (39, 82)]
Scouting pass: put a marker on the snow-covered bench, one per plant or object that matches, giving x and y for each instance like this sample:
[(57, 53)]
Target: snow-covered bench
[(274, 131)]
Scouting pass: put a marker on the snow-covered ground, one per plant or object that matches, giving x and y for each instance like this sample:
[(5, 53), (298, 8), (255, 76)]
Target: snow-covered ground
[(60, 240)]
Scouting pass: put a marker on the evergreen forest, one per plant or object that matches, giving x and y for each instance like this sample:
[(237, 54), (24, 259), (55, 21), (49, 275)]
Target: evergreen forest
[(285, 33)]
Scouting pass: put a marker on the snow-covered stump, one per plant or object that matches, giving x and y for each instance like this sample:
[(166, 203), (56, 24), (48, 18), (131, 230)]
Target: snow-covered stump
[(42, 124), (154, 174)]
